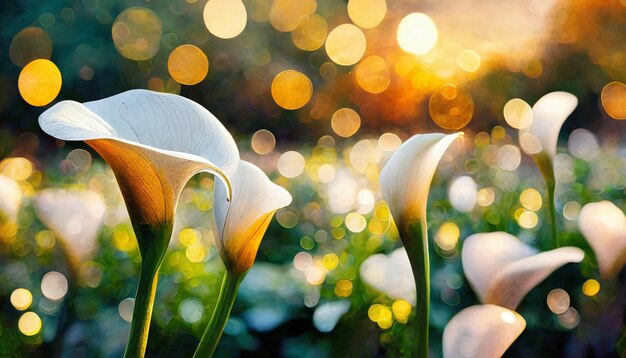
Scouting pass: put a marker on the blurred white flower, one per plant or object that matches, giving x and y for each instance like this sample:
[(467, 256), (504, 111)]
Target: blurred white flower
[(604, 226), (242, 222), (463, 193), (10, 198), (481, 331), (327, 315), (75, 216), (502, 269), (390, 274)]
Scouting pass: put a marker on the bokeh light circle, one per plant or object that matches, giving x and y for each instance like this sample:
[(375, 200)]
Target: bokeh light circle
[(30, 44), (345, 122), (450, 107), (29, 324), (367, 13), (21, 299), (291, 164), (291, 89), (136, 33), (613, 99), (311, 33), (372, 74), (345, 44), (263, 142), (417, 33), (188, 65), (54, 285), (518, 114), (468, 60), (225, 18), (39, 82)]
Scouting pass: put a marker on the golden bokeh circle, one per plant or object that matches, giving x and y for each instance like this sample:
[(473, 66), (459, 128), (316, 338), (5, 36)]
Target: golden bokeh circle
[(291, 89), (136, 33), (345, 122), (30, 44), (263, 142), (367, 13), (29, 324), (188, 65), (417, 33), (225, 18), (346, 44), (468, 60), (518, 114), (450, 107), (311, 33), (372, 74), (613, 99), (39, 82)]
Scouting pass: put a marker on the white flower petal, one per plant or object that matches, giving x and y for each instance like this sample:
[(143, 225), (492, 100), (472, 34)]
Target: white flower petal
[(502, 269), (481, 331), (154, 143), (405, 179), (390, 274), (75, 216), (10, 198), (242, 222), (604, 226), (549, 114)]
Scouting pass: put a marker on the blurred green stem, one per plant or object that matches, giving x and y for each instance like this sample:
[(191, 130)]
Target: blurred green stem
[(546, 167), (223, 306), (415, 239), (153, 243)]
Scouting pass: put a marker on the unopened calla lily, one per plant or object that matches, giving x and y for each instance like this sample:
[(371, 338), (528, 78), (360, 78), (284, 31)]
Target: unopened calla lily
[(502, 270), (540, 139), (482, 331), (154, 142), (405, 183), (604, 226), (75, 216), (240, 225)]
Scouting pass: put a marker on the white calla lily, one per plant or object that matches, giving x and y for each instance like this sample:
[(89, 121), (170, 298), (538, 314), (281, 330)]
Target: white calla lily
[(481, 331), (154, 142), (604, 226), (390, 274), (75, 216), (241, 223), (10, 198), (549, 114), (405, 182), (405, 179), (540, 139), (502, 269)]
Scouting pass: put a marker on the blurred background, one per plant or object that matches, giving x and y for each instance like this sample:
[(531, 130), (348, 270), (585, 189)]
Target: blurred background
[(318, 94)]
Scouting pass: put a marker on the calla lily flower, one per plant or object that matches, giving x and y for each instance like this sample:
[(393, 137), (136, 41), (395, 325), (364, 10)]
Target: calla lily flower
[(405, 179), (390, 274), (241, 225), (75, 216), (604, 226), (540, 139), (154, 142), (405, 182), (482, 331), (242, 222), (502, 269), (10, 198)]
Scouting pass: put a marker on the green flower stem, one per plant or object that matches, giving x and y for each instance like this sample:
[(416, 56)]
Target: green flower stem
[(415, 239), (223, 306), (555, 237), (546, 167), (153, 243)]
